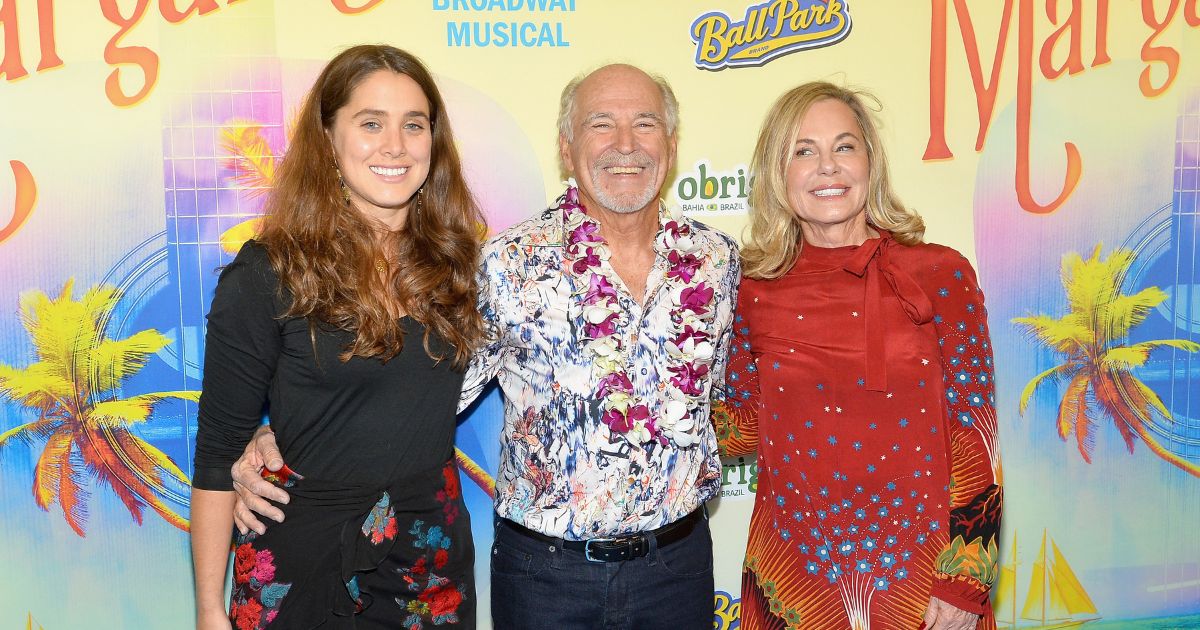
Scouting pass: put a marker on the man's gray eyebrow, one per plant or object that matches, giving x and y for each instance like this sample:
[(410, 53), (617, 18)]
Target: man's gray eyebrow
[(596, 115)]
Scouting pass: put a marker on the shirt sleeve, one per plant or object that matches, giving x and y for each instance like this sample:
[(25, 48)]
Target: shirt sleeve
[(485, 364), (735, 406), (241, 349), (967, 566), (727, 297)]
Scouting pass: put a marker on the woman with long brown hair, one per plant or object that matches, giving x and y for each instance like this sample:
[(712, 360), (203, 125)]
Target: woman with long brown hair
[(350, 319)]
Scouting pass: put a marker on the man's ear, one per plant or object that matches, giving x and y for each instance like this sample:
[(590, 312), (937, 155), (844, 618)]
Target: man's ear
[(673, 145), (564, 154)]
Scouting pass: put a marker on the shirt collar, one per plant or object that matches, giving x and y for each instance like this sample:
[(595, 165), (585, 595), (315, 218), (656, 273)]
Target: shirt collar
[(665, 216)]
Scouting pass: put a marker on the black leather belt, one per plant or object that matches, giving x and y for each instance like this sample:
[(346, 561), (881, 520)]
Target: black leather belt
[(619, 548)]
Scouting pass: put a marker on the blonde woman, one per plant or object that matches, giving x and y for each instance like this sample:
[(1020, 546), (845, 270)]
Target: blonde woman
[(861, 372)]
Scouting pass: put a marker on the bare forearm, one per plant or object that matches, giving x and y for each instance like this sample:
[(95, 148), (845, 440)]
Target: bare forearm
[(212, 527)]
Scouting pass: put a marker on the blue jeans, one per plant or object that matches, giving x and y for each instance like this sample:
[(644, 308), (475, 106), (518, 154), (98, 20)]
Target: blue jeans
[(541, 586)]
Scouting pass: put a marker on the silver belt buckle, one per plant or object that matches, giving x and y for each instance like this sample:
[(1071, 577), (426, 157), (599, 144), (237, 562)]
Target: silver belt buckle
[(587, 548)]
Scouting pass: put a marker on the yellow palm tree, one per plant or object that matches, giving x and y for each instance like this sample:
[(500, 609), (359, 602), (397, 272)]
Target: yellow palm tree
[(250, 157), (74, 385), (1098, 368)]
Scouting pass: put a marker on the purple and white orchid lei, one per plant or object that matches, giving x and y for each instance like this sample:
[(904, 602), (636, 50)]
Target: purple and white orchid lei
[(690, 348)]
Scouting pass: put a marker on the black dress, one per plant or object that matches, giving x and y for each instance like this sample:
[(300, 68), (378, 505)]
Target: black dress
[(376, 534)]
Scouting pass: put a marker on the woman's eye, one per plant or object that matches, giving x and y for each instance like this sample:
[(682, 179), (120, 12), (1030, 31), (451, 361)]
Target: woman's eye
[(372, 125)]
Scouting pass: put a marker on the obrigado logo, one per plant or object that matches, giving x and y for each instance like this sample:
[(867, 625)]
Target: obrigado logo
[(770, 29), (739, 478), (708, 191)]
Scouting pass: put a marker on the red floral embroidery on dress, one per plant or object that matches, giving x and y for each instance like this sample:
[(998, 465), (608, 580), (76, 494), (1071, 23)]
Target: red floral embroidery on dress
[(256, 597), (449, 494), (380, 524), (435, 599), (248, 615), (436, 603), (417, 569), (442, 600)]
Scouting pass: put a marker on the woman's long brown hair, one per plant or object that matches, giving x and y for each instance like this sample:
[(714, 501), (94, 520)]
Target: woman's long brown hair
[(324, 251)]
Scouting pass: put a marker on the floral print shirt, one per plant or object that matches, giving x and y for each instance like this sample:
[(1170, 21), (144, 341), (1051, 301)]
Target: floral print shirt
[(563, 471)]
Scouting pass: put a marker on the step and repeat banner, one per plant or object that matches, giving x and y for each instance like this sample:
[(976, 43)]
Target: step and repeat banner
[(1056, 143)]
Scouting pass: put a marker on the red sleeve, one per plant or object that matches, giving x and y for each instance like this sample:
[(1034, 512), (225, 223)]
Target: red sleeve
[(735, 407), (968, 565)]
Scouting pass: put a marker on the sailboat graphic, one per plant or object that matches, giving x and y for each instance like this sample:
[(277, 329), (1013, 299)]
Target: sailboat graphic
[(1055, 598)]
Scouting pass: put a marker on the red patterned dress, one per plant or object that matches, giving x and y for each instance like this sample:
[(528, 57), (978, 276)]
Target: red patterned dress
[(863, 378)]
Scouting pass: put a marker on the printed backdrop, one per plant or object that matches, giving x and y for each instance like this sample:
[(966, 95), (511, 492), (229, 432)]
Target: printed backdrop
[(1056, 143)]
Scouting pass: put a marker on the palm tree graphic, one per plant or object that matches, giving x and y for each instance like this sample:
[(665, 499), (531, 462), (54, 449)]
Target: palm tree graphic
[(1098, 368), (74, 385)]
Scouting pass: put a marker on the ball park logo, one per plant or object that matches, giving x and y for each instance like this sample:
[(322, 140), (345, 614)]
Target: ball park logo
[(704, 191), (769, 30)]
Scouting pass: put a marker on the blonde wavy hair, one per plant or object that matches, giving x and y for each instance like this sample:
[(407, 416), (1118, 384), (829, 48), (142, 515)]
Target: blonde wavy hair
[(774, 235)]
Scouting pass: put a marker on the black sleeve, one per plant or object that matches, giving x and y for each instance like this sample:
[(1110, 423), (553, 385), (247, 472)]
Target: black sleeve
[(241, 350)]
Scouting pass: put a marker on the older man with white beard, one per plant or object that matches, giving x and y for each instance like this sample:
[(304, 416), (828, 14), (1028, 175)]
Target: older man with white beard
[(610, 316)]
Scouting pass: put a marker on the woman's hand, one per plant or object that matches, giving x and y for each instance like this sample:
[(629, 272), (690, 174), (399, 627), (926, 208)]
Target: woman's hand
[(943, 616)]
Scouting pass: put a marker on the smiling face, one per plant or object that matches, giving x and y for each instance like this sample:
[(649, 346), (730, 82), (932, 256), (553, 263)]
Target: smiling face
[(382, 140), (829, 173), (621, 150)]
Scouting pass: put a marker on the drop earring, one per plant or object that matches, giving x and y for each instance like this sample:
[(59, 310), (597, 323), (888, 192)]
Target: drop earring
[(342, 185)]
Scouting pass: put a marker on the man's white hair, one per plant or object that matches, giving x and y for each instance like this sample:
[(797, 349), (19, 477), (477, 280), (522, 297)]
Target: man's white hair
[(566, 102)]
